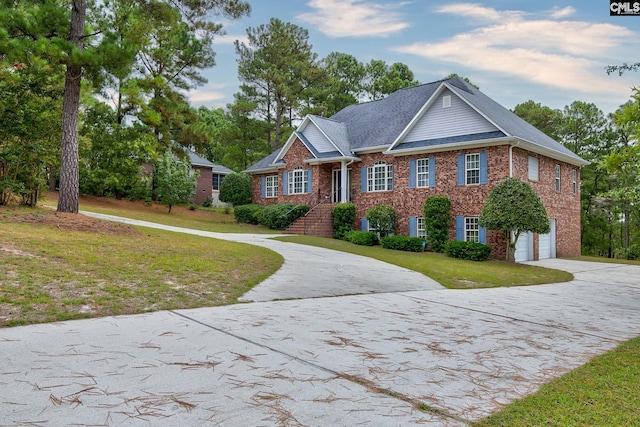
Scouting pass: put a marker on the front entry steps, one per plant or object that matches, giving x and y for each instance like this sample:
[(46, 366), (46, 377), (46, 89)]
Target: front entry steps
[(318, 222)]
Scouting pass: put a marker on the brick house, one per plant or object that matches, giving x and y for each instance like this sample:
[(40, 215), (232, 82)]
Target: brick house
[(208, 183), (444, 137)]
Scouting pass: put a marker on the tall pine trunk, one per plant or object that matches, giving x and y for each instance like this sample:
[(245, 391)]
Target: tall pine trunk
[(69, 181)]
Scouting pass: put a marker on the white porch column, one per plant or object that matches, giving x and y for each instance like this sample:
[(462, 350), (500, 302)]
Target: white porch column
[(344, 182)]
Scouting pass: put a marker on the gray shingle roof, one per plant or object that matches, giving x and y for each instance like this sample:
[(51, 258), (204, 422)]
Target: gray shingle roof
[(379, 123), (264, 163), (199, 161)]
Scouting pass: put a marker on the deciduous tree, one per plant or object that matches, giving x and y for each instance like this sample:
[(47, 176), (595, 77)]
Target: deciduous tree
[(175, 180)]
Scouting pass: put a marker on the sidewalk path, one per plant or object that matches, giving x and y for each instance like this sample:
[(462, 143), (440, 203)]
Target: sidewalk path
[(430, 357)]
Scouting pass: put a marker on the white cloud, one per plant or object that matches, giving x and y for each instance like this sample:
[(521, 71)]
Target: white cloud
[(476, 11), (561, 54), (354, 18), (559, 13), (230, 39), (211, 94)]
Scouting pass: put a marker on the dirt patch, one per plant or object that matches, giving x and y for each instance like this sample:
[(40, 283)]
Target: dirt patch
[(66, 221)]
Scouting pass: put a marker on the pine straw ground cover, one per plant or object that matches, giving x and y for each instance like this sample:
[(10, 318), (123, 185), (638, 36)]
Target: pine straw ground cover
[(65, 266)]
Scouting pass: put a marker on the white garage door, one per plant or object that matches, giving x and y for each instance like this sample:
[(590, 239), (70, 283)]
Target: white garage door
[(547, 243), (524, 247)]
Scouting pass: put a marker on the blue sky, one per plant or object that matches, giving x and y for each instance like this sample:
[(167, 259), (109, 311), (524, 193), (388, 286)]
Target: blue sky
[(553, 52)]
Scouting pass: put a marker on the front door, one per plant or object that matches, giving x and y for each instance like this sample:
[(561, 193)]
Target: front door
[(336, 186)]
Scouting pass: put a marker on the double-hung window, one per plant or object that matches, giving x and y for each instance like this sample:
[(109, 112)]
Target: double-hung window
[(271, 187), (471, 229), (380, 177), (557, 177), (297, 181), (574, 181), (420, 230), (422, 171), (472, 169)]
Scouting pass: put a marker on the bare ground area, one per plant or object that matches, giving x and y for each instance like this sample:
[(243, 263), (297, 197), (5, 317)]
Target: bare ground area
[(66, 221)]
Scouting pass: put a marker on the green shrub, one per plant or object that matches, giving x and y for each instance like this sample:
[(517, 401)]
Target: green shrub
[(282, 215), (468, 250), (382, 219), (634, 251), (208, 202), (402, 243), (344, 215), (236, 189), (436, 221), (364, 238), (248, 214)]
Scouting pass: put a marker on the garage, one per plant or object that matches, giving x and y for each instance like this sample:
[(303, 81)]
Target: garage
[(547, 243), (524, 247)]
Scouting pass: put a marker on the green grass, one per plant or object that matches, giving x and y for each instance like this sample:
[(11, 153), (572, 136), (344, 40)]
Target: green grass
[(604, 392), (51, 274), (450, 272)]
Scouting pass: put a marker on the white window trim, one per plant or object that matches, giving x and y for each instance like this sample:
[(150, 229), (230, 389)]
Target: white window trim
[(371, 176), (424, 175), (557, 180), (467, 169), (271, 186), (302, 180), (420, 230), (574, 181), (473, 221), (534, 169)]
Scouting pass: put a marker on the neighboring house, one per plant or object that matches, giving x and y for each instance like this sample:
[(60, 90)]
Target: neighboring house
[(209, 181), (444, 137)]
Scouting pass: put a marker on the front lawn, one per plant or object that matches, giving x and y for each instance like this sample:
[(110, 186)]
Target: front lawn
[(65, 266)]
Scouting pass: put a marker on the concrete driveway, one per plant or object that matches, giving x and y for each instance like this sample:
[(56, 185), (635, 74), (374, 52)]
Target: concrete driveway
[(427, 356)]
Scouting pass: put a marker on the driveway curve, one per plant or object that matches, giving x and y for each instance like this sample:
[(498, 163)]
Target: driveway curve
[(311, 272), (433, 357)]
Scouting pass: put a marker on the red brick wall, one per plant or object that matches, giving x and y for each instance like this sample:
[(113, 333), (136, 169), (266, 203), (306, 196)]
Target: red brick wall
[(295, 157), (466, 200), (204, 185)]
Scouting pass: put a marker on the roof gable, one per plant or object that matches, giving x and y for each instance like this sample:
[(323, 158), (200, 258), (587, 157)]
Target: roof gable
[(444, 116)]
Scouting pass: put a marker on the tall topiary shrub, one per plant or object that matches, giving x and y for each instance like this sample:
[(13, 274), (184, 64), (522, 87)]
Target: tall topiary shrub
[(382, 219), (344, 215), (436, 221), (514, 207), (236, 189)]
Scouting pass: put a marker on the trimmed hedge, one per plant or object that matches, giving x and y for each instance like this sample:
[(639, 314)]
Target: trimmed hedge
[(282, 215), (472, 251), (344, 216), (248, 214), (402, 243), (364, 238)]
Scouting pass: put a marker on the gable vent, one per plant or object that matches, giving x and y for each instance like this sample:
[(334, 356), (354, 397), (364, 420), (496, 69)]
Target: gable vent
[(446, 101)]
